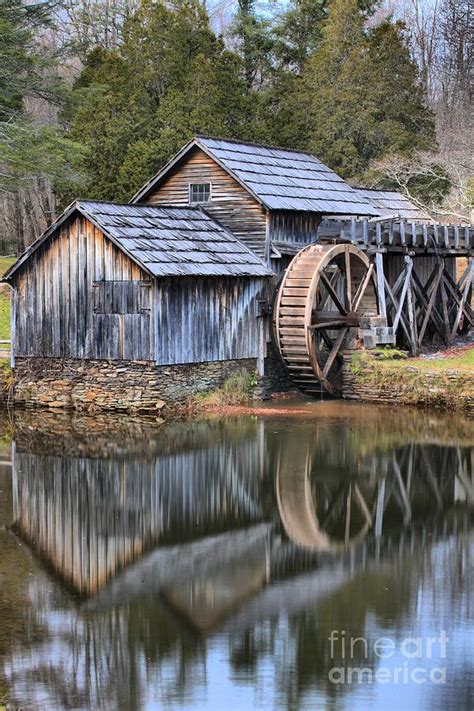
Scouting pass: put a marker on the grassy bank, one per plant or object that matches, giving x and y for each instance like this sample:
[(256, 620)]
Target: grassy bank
[(5, 263), (236, 390), (444, 382)]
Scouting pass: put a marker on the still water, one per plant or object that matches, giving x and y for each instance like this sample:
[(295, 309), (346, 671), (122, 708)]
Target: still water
[(317, 557)]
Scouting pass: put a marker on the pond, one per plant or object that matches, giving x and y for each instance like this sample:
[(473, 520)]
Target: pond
[(309, 556)]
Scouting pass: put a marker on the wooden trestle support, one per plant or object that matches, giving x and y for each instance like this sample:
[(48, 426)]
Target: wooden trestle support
[(338, 295), (416, 310)]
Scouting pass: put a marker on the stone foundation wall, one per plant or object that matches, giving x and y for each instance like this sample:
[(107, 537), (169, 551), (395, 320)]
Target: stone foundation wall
[(116, 385), (275, 378)]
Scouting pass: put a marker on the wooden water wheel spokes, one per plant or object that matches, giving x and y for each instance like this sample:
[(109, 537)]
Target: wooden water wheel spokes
[(325, 291)]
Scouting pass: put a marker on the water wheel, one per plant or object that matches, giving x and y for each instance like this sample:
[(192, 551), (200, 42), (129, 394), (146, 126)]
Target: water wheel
[(324, 293)]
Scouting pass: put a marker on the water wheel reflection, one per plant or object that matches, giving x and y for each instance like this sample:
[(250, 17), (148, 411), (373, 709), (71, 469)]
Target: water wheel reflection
[(321, 514), (331, 512)]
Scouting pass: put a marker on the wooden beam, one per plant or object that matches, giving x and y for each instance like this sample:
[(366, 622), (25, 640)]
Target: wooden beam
[(453, 289), (406, 285), (465, 293), (430, 305), (411, 308), (403, 319), (362, 287), (380, 284), (332, 293)]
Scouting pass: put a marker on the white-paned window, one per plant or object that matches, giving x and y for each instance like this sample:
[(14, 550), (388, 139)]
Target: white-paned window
[(199, 192)]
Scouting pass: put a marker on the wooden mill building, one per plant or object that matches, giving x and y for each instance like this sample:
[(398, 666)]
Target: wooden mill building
[(169, 294)]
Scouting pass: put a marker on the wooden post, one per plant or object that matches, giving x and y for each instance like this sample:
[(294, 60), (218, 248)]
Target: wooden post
[(412, 320), (381, 284), (268, 246), (262, 345), (444, 306), (411, 307)]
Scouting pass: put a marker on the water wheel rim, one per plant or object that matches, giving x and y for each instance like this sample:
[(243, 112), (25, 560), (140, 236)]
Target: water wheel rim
[(298, 271)]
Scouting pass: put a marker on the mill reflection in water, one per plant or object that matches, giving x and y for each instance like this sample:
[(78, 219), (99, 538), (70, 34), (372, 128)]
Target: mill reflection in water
[(246, 540)]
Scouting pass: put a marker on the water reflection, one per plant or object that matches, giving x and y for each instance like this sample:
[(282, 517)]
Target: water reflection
[(204, 562)]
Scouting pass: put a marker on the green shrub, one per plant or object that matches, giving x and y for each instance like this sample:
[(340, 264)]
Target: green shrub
[(234, 391)]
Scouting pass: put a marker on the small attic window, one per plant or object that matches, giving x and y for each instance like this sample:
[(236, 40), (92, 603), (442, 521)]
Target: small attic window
[(199, 192)]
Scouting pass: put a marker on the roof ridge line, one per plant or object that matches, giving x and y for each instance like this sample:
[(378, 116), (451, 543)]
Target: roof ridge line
[(255, 145)]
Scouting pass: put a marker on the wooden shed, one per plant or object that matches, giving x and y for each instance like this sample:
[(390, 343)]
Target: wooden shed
[(126, 282)]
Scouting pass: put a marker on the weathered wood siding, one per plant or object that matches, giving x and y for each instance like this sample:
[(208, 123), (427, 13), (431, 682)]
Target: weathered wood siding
[(206, 319), (78, 297), (289, 232), (423, 266), (295, 228), (230, 203)]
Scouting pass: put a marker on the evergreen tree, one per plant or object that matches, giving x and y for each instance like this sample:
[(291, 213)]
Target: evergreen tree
[(299, 31), (358, 97), (135, 106), (29, 148), (255, 44)]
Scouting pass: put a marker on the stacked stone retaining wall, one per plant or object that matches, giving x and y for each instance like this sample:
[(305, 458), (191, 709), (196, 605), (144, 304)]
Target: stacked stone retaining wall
[(116, 385)]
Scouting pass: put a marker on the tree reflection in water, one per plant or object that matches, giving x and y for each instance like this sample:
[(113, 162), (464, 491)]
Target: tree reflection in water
[(252, 536)]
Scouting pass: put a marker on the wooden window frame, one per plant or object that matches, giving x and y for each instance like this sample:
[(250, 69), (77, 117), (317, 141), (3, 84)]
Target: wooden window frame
[(199, 202)]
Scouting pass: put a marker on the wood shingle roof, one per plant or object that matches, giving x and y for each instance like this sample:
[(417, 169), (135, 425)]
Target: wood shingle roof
[(165, 241), (278, 178)]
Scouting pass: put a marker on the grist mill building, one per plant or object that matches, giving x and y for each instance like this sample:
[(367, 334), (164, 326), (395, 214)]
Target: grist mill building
[(203, 274)]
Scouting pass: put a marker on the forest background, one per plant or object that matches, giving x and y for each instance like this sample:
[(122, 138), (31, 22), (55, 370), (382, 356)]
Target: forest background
[(95, 96)]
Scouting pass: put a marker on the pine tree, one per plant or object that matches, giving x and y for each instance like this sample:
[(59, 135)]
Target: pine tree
[(135, 106), (299, 31), (255, 44), (358, 97)]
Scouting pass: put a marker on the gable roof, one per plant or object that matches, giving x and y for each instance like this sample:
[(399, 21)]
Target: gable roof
[(164, 241), (391, 203), (278, 178)]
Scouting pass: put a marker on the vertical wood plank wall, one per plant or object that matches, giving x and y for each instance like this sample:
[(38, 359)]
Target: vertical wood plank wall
[(423, 265), (294, 227), (55, 300), (188, 319), (230, 203), (198, 320)]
